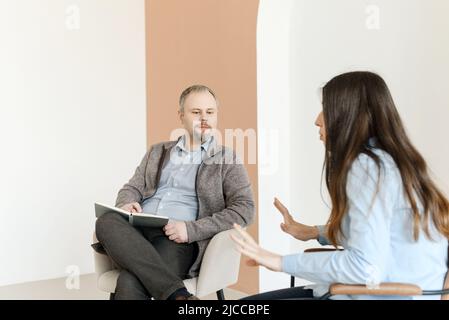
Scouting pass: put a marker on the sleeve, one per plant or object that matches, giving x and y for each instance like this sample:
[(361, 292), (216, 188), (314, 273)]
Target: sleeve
[(239, 208), (132, 191), (322, 239), (370, 208)]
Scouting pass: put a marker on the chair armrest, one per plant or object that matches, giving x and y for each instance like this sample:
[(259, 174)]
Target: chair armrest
[(102, 262), (384, 289), (220, 265), (321, 250)]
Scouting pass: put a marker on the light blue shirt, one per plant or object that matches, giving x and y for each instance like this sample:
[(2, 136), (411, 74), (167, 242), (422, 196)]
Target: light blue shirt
[(176, 195), (378, 243)]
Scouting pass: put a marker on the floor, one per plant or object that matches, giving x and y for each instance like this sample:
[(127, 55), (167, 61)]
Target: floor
[(55, 289)]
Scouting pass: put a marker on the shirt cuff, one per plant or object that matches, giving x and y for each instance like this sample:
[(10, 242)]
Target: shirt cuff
[(322, 239)]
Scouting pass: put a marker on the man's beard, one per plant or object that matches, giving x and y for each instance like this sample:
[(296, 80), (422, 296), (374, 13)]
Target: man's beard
[(199, 136)]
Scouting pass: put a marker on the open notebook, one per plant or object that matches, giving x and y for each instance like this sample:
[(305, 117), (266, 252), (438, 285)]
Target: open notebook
[(135, 219)]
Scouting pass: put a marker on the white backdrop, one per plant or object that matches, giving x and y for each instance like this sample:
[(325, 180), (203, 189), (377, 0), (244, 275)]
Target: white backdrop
[(403, 40), (274, 129), (72, 126)]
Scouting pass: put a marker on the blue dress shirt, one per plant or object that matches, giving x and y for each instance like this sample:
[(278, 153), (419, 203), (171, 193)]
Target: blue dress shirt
[(378, 238), (176, 195)]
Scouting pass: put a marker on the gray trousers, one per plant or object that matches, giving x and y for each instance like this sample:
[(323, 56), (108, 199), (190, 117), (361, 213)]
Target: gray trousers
[(152, 265)]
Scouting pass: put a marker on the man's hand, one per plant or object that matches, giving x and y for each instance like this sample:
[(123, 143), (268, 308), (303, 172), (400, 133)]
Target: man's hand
[(258, 256), (295, 229), (132, 207), (176, 231)]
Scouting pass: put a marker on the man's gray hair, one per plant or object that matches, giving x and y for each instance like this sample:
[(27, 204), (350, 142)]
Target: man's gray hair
[(191, 89)]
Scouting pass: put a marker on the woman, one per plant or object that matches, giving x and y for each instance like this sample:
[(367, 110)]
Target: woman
[(387, 213)]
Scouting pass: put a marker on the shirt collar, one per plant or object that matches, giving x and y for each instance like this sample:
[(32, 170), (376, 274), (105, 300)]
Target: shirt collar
[(181, 144), (372, 142)]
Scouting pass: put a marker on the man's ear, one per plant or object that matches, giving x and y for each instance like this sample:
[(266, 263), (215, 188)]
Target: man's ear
[(181, 116)]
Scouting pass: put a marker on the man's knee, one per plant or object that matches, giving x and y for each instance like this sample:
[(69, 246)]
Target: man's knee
[(106, 223)]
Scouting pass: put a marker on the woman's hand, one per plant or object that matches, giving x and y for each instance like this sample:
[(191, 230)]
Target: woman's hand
[(258, 256), (295, 229)]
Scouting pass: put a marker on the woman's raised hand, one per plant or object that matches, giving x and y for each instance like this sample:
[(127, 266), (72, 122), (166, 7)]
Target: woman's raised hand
[(295, 229)]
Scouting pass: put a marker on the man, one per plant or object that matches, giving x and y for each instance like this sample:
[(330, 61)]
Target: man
[(198, 184)]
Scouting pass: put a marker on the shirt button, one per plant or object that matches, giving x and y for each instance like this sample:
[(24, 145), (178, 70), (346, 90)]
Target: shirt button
[(161, 207), (176, 184), (182, 169), (168, 193)]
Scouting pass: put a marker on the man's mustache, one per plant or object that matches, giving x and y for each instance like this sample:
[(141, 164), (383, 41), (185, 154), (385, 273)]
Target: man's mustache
[(203, 126)]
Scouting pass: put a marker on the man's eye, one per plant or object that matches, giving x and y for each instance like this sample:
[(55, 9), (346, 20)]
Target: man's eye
[(210, 112), (195, 112)]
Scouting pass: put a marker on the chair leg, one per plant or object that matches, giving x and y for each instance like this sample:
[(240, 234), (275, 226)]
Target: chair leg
[(112, 296), (220, 295)]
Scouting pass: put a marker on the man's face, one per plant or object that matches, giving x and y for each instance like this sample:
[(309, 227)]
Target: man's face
[(199, 117)]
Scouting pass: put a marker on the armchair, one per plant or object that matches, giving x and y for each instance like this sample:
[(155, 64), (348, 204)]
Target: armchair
[(219, 269)]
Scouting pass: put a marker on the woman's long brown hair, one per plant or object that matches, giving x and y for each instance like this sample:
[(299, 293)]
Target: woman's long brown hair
[(358, 106)]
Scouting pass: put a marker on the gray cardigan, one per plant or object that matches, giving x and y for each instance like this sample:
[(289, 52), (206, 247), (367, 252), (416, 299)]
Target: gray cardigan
[(222, 186)]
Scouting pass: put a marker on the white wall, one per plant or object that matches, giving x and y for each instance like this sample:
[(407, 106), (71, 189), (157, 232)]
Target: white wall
[(274, 132), (72, 126), (328, 37)]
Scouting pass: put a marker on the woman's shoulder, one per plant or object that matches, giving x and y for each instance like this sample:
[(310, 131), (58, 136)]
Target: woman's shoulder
[(374, 167), (381, 159), (380, 178)]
